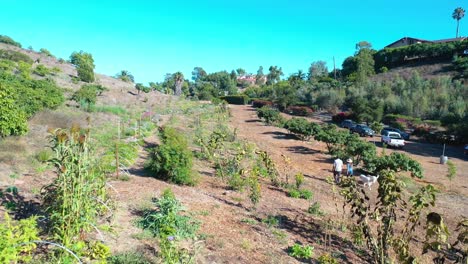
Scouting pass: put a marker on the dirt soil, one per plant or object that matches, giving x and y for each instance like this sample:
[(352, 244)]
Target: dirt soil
[(232, 231)]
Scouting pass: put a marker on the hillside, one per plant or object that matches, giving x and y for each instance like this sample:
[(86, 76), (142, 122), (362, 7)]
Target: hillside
[(427, 70), (258, 191)]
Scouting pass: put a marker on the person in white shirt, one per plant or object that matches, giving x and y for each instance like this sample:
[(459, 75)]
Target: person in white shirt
[(337, 169)]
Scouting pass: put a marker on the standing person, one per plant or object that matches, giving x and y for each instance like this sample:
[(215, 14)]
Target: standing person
[(349, 167), (337, 169)]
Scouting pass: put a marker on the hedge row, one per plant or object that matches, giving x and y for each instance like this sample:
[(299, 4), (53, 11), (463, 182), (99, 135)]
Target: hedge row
[(235, 99), (393, 57)]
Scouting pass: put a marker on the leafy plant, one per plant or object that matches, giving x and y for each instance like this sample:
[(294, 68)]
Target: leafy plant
[(17, 239), (41, 70), (129, 258), (314, 209), (302, 128), (299, 177), (84, 63), (294, 193), (77, 196), (168, 219), (452, 170), (301, 251), (272, 221), (327, 259), (172, 160), (269, 115)]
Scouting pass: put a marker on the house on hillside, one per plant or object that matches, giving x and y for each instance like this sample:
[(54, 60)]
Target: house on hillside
[(250, 79), (406, 41)]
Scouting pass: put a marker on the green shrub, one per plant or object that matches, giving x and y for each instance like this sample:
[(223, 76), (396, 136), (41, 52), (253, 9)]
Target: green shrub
[(87, 95), (84, 63), (9, 41), (16, 239), (7, 66), (168, 220), (24, 69), (327, 259), (314, 209), (41, 70), (13, 119), (129, 258), (301, 251), (45, 52), (269, 115), (15, 56), (172, 159), (302, 128), (299, 177), (235, 99), (306, 194), (294, 193), (43, 156), (272, 221)]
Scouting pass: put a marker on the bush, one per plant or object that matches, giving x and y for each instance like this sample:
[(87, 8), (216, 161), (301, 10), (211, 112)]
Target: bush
[(235, 99), (314, 209), (15, 56), (299, 110), (87, 95), (172, 160), (327, 259), (7, 65), (302, 128), (16, 239), (9, 41), (41, 70), (306, 194), (301, 252), (13, 118), (84, 63), (294, 193), (299, 177), (261, 103), (168, 220), (269, 115), (129, 258), (45, 52)]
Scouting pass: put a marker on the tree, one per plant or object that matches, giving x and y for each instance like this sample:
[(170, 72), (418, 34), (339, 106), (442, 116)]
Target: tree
[(240, 72), (458, 14), (259, 78), (198, 73), (125, 76), (178, 82), (13, 119), (84, 64), (317, 69), (274, 75), (364, 61)]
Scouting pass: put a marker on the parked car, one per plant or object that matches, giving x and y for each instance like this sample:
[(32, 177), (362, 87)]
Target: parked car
[(392, 139), (403, 134), (362, 130), (466, 149), (348, 123)]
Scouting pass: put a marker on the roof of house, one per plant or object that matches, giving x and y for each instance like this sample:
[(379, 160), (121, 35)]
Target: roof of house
[(404, 38), (429, 41)]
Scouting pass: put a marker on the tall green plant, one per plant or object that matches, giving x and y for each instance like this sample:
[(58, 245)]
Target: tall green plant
[(75, 198), (172, 160)]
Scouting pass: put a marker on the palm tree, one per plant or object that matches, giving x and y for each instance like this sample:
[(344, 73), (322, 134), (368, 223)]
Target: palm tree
[(178, 80), (458, 14), (125, 76)]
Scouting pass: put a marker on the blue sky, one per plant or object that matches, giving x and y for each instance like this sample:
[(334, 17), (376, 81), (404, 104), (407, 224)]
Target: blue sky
[(152, 38)]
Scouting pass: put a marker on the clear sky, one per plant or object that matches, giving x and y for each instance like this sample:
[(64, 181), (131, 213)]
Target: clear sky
[(152, 38)]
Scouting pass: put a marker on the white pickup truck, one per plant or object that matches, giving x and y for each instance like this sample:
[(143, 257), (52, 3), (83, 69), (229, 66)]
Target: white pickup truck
[(392, 139)]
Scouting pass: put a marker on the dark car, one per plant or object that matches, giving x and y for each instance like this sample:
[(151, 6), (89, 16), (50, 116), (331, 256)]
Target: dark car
[(362, 130), (403, 134), (348, 123), (466, 149)]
